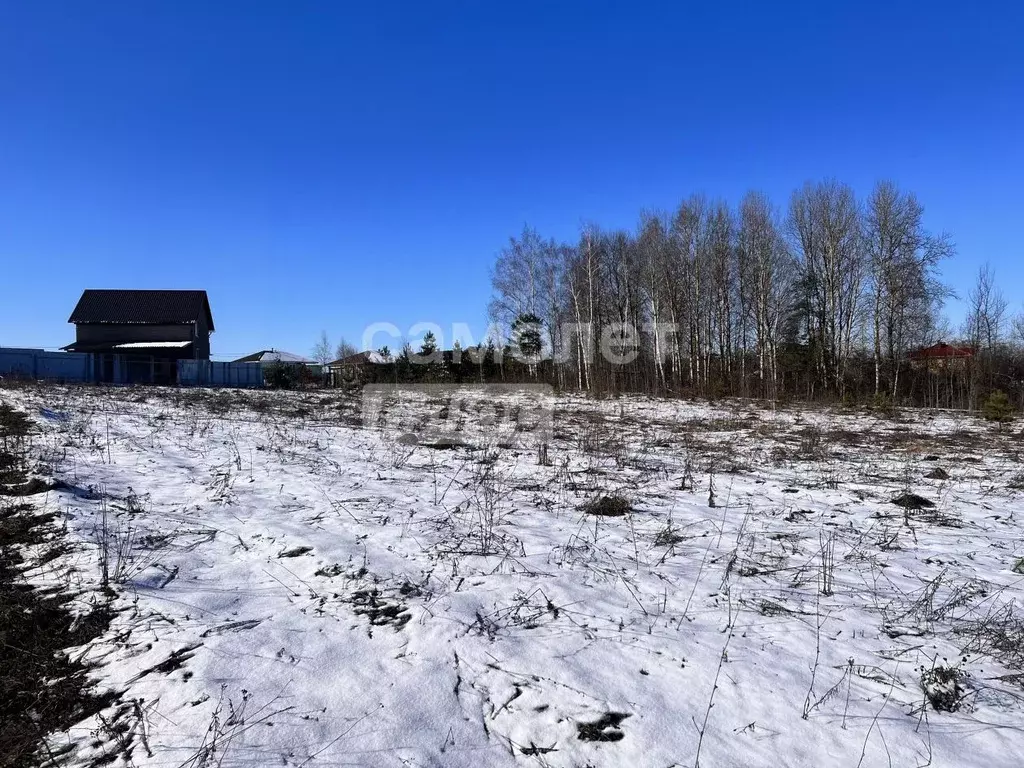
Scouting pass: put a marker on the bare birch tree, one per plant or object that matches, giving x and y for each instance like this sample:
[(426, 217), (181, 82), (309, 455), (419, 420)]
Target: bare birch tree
[(905, 290), (826, 226), (322, 349), (766, 269)]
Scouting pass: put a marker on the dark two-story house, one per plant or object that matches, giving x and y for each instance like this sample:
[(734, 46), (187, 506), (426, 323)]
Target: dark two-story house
[(139, 336)]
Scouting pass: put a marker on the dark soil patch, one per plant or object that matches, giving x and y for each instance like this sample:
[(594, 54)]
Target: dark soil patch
[(937, 474), (798, 515), (13, 424), (10, 471), (668, 537), (295, 552), (42, 691), (913, 501), (30, 488), (408, 589), (944, 689), (604, 729), (607, 506), (379, 610), (329, 571), (447, 444)]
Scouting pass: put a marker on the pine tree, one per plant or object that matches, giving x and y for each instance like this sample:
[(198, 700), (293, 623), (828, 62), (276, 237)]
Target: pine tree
[(429, 345), (998, 408), (526, 335)]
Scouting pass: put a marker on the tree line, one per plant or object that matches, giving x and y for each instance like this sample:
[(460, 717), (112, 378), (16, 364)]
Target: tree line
[(824, 299)]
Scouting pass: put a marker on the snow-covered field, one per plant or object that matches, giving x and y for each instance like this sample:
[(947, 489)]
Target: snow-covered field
[(299, 588)]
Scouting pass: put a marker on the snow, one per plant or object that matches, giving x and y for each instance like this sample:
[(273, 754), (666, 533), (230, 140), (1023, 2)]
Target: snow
[(277, 356), (153, 345), (304, 589)]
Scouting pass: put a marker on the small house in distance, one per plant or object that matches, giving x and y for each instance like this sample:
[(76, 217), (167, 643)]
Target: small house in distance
[(138, 336), (284, 369), (940, 357), (267, 356), (356, 369)]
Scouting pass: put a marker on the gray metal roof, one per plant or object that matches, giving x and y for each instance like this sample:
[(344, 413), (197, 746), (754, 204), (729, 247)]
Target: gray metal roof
[(273, 356), (149, 307), (359, 358)]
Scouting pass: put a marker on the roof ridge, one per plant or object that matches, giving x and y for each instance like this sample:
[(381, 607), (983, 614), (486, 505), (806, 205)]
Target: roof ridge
[(154, 306)]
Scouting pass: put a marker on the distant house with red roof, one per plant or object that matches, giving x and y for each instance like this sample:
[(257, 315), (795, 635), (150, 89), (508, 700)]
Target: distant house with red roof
[(941, 356)]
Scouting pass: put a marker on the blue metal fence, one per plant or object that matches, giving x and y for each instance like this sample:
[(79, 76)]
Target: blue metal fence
[(40, 364), (208, 373)]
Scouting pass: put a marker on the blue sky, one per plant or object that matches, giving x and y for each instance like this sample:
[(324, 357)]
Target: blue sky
[(326, 165)]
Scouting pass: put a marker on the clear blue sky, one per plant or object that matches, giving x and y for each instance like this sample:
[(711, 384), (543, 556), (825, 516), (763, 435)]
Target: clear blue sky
[(324, 165)]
